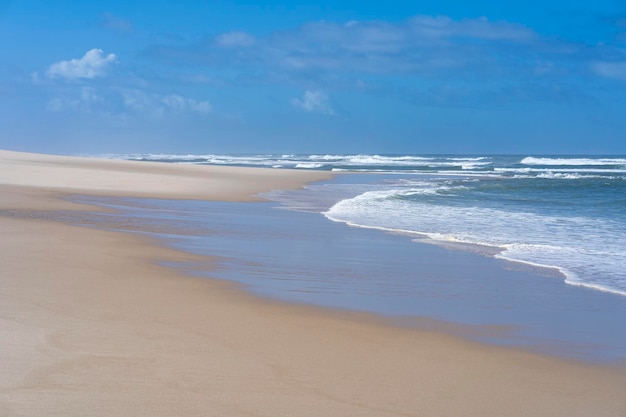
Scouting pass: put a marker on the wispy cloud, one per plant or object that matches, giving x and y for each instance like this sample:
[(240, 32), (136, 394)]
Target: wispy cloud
[(126, 102), (85, 100), (157, 105), (181, 104), (314, 102), (474, 58), (426, 59), (93, 64), (423, 44), (235, 40), (124, 96)]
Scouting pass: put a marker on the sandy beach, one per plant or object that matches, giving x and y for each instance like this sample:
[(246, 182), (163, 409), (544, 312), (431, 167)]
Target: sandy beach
[(91, 325)]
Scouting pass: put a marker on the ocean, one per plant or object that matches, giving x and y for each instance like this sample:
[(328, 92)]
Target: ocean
[(516, 250), (561, 212)]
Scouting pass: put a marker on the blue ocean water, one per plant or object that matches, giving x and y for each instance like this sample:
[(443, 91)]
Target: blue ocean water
[(562, 212), (423, 237)]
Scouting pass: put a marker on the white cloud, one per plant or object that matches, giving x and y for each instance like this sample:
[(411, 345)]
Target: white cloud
[(181, 104), (137, 101), (158, 105), (86, 100), (615, 70), (93, 64), (314, 102)]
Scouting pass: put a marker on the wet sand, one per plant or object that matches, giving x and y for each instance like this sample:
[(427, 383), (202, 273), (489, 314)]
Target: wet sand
[(92, 325)]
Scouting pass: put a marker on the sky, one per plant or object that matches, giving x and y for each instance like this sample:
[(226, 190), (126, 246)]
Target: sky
[(340, 76)]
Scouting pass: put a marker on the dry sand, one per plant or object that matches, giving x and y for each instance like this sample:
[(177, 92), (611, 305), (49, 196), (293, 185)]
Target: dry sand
[(90, 325)]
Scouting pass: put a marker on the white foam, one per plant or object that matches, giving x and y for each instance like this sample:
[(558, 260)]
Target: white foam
[(573, 161), (556, 168), (576, 173), (590, 248), (291, 160), (418, 161), (597, 287), (309, 165)]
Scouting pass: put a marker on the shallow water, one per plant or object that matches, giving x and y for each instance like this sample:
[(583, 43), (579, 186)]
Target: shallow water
[(302, 257)]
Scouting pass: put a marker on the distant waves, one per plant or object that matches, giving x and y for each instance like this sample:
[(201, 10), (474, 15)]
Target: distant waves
[(545, 166)]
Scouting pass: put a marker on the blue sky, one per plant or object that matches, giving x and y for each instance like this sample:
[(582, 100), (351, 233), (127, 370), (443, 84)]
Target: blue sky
[(330, 76)]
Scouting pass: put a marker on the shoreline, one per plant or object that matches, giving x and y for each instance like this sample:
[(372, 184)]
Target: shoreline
[(476, 297), (96, 327)]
